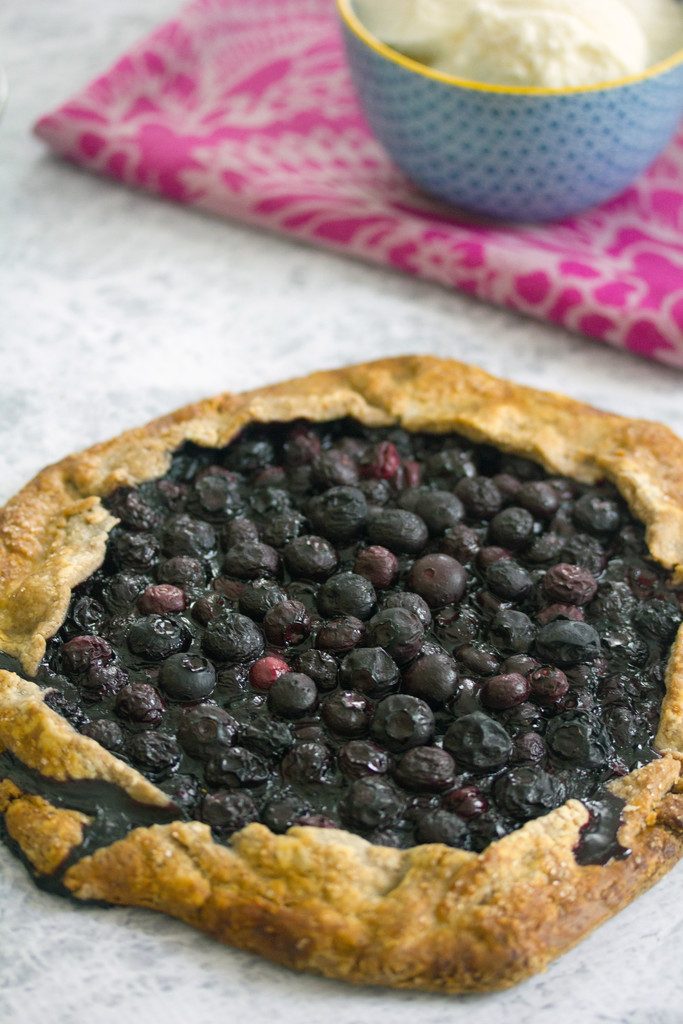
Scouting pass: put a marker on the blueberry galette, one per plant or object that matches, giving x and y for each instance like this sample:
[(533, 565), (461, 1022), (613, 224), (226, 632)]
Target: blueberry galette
[(377, 673)]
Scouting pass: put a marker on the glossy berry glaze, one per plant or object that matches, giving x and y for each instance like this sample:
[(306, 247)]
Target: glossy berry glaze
[(407, 636)]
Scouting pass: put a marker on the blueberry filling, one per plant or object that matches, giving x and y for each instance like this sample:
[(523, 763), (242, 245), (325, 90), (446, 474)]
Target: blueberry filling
[(405, 635)]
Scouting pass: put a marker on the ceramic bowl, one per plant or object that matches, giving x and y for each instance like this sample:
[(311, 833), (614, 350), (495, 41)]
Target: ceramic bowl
[(506, 151)]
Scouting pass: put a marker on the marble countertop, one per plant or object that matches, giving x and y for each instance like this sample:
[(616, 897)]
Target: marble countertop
[(117, 307)]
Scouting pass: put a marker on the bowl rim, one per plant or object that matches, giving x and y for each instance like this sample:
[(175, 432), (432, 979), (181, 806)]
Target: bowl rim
[(354, 24)]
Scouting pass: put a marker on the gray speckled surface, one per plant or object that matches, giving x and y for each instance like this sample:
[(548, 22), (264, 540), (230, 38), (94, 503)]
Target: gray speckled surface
[(116, 308)]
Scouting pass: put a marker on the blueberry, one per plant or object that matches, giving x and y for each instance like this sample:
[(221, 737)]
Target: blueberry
[(183, 791), (371, 803), (130, 507), (586, 551), (512, 528), (433, 679), (206, 730), (279, 530), (361, 757), (251, 560), (370, 670), (268, 738), (187, 677), (340, 635), (121, 591), (545, 548), (577, 738), (334, 469), (528, 746), (307, 763), (552, 612), (269, 502), (425, 770), (505, 691), (569, 584), (216, 498), (302, 446), (182, 571), (479, 659), (614, 602), (248, 455), (440, 510), (227, 812), (233, 637), (376, 564), (287, 624), (184, 535), (68, 709), (236, 768), (140, 703), (462, 542), (438, 579), (232, 681), (157, 636), (528, 792), (398, 631), (480, 496), (507, 579), (398, 530), (440, 826), (292, 695), (596, 514), (450, 465), (658, 619), (320, 666), (85, 616), (377, 492), (204, 609), (339, 514), (539, 498), (347, 593), (259, 596), (478, 742), (347, 713), (108, 734), (239, 531), (548, 684), (467, 802), (402, 721), (283, 812), (137, 552), (310, 557), (567, 643), (153, 752), (511, 631), (83, 651), (412, 603), (522, 663)]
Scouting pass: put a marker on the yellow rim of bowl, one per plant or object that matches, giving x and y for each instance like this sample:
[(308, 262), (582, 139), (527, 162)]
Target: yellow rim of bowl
[(353, 22)]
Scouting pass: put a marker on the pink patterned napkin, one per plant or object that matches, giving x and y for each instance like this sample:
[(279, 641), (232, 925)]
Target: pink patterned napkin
[(245, 108)]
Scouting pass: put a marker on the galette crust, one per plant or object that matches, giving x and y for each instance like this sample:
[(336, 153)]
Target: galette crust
[(326, 900)]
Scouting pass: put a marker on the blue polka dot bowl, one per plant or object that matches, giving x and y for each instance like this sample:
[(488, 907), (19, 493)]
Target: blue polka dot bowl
[(524, 154)]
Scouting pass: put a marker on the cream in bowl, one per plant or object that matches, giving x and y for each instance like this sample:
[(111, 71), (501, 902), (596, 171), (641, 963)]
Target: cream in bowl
[(553, 44), (519, 109)]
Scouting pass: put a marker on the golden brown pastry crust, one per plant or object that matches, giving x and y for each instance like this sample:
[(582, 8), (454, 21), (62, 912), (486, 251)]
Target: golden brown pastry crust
[(326, 900)]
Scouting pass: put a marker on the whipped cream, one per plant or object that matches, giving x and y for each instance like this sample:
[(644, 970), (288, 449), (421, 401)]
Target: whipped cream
[(546, 43)]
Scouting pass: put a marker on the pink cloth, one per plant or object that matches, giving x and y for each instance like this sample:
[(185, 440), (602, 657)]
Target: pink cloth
[(245, 108)]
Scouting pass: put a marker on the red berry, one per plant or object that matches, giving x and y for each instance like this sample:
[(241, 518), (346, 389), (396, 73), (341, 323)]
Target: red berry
[(383, 462), (160, 598), (264, 672), (412, 473), (377, 564)]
